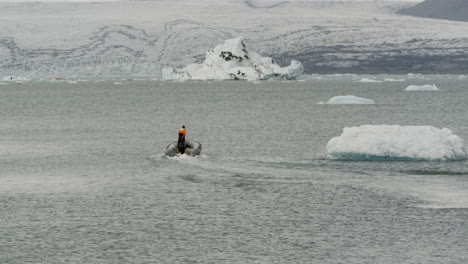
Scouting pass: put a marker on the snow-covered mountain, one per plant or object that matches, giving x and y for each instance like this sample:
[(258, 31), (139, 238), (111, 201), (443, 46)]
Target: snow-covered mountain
[(140, 38), (442, 9)]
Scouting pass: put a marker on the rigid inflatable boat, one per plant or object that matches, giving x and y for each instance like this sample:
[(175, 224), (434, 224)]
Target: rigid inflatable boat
[(192, 148)]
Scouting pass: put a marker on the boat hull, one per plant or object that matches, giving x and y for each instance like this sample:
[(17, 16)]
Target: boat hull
[(192, 148)]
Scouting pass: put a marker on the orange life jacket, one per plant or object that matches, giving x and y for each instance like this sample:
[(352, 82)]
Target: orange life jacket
[(183, 132)]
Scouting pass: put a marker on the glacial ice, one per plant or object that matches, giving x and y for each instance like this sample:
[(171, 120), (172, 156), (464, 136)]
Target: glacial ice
[(233, 61), (427, 87), (349, 99), (394, 142)]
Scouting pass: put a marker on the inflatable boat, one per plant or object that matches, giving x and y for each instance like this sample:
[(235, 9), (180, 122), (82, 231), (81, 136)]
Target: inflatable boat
[(192, 148)]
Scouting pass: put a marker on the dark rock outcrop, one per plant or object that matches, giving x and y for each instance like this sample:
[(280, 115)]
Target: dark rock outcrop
[(440, 9)]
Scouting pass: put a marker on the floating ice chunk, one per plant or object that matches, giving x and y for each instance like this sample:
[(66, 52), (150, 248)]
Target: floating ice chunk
[(232, 61), (15, 79), (8, 78), (415, 76), (368, 80), (427, 87), (393, 80), (349, 99), (393, 142)]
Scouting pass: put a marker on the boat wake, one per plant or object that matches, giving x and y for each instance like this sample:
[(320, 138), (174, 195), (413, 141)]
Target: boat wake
[(420, 188)]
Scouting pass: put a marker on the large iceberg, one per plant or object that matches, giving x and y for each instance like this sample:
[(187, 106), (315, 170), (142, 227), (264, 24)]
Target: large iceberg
[(232, 61), (349, 99), (393, 142)]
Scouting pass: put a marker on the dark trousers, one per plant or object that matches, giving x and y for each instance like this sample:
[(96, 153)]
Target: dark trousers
[(181, 143)]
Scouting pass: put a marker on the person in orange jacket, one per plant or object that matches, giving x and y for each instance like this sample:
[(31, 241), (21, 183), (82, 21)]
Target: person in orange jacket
[(181, 141)]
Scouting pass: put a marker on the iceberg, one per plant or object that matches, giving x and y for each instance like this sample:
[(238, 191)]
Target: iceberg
[(369, 80), (15, 79), (349, 99), (394, 142), (233, 61), (393, 80), (427, 87)]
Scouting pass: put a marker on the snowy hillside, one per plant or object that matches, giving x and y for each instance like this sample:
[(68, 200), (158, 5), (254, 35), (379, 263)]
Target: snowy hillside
[(139, 38)]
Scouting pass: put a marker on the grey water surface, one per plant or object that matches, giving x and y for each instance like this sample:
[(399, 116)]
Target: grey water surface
[(83, 178)]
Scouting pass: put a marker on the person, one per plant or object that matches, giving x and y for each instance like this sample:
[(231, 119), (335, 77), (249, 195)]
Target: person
[(181, 141)]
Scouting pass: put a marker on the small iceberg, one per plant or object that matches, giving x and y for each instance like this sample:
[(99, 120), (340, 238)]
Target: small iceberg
[(349, 99), (427, 87), (393, 80), (15, 79), (394, 142), (9, 78), (233, 61), (368, 80)]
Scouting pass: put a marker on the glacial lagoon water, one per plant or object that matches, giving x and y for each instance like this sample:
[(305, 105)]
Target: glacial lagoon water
[(83, 178)]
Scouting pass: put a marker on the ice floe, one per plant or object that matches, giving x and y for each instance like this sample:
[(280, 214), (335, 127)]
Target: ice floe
[(349, 99), (427, 87), (393, 80), (394, 142), (15, 79), (369, 80)]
